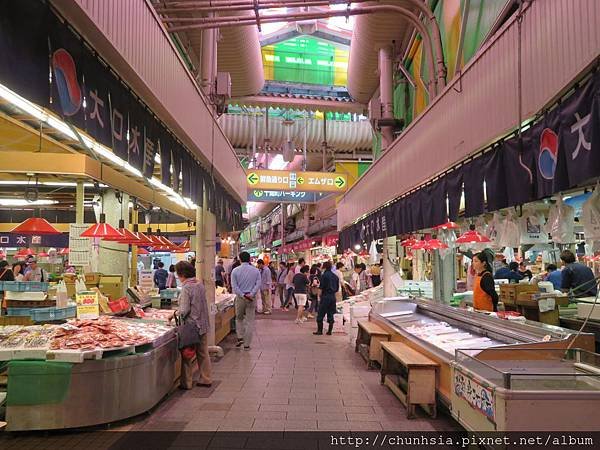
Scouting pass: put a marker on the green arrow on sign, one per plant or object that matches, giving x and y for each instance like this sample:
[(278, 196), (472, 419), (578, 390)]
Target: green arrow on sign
[(258, 194), (340, 182), (252, 178), (300, 180)]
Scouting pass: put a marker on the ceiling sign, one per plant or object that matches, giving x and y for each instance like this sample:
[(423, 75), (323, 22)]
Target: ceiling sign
[(259, 195), (283, 180)]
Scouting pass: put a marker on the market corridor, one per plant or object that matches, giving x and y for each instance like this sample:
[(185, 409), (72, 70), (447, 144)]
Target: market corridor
[(289, 381)]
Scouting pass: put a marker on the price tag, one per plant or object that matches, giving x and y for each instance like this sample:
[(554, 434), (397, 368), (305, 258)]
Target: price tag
[(87, 305)]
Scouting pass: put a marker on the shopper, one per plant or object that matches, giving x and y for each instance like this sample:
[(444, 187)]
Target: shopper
[(300, 281), (233, 265), (281, 289), (339, 295), (265, 286), (554, 276), (160, 276), (245, 282), (35, 273), (376, 275), (510, 273), (329, 286), (18, 269), (577, 278), (525, 272), (220, 274), (6, 273), (192, 306), (314, 281), (289, 287), (485, 297), (301, 263), (172, 278)]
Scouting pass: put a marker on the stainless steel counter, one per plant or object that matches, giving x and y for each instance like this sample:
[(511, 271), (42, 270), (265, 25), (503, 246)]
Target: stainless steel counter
[(103, 391)]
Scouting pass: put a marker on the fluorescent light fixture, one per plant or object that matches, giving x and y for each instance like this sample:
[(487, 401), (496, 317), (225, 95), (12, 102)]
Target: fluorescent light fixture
[(23, 202), (157, 158)]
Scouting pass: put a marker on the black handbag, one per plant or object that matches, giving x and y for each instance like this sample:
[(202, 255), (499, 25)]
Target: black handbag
[(187, 332)]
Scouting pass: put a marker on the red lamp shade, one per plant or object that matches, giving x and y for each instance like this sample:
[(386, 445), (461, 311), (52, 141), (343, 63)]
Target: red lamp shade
[(155, 241), (142, 239), (185, 245), (419, 245), (142, 251), (408, 242), (472, 237), (102, 230), (42, 255), (35, 225), (446, 226), (181, 249), (25, 252), (434, 244), (64, 251), (127, 237)]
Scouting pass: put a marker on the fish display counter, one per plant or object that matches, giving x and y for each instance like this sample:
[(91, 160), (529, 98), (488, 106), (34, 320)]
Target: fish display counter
[(85, 372), (437, 331)]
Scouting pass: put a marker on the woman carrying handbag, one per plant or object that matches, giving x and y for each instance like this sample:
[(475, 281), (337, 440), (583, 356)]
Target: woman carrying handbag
[(193, 328)]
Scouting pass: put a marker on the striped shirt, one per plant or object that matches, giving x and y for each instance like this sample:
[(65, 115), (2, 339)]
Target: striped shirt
[(245, 279)]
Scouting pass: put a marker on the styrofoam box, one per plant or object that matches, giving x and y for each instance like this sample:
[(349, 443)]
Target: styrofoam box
[(583, 309)]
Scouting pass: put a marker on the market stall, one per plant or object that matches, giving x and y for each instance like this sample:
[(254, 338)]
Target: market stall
[(85, 372)]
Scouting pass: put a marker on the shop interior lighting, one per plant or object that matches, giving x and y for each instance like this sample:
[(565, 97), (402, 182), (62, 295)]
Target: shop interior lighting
[(357, 247), (434, 244), (408, 242), (472, 237), (142, 251), (59, 125), (64, 251), (23, 202), (101, 230), (35, 225), (447, 226)]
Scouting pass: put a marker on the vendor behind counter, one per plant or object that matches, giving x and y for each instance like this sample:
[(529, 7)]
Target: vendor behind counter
[(577, 277)]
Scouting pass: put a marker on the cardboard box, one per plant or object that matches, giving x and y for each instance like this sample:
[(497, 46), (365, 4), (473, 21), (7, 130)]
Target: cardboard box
[(92, 278), (113, 291)]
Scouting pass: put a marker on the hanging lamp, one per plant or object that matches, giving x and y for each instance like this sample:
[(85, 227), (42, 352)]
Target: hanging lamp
[(127, 237), (472, 237), (447, 226), (25, 252), (164, 240), (434, 244), (142, 239), (419, 245), (142, 251), (408, 242), (102, 230), (155, 241), (64, 251), (35, 225)]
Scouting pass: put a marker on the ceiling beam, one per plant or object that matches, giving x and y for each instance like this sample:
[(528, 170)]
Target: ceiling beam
[(308, 104)]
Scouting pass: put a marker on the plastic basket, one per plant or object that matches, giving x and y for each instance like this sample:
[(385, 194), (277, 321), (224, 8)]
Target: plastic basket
[(24, 286), (49, 314), (169, 293), (18, 311)]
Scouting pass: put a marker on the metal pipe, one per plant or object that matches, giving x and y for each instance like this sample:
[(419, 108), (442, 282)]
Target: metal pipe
[(409, 15), (221, 3), (206, 69), (324, 139), (304, 151), (241, 6), (461, 38), (386, 94), (267, 140)]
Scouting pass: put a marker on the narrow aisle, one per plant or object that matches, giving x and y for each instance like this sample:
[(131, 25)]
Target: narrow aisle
[(290, 380)]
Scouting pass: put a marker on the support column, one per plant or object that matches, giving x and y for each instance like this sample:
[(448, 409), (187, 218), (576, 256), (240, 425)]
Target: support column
[(444, 277), (386, 94), (113, 257), (389, 247), (208, 263), (133, 276), (208, 60), (79, 198)]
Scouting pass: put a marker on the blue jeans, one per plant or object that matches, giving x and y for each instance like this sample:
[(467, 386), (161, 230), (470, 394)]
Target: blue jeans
[(290, 295)]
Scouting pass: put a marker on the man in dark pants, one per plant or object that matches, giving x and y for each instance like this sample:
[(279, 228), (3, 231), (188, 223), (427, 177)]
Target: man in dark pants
[(330, 284)]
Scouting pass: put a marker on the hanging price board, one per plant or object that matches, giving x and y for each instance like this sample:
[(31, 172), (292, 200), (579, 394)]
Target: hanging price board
[(87, 305)]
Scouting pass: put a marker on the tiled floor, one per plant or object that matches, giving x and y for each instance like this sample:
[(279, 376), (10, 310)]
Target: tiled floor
[(289, 380)]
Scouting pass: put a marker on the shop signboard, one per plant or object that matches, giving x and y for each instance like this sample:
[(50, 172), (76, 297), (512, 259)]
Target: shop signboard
[(259, 195), (300, 246), (87, 305), (475, 394), (331, 240), (22, 240), (284, 180)]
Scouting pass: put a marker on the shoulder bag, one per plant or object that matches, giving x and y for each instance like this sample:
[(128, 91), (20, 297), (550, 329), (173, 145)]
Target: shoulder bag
[(187, 332)]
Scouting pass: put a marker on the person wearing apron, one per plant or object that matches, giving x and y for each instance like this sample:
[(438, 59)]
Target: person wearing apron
[(485, 297)]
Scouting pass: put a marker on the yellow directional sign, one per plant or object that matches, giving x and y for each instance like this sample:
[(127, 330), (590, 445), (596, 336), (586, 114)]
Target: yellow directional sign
[(258, 194), (283, 180)]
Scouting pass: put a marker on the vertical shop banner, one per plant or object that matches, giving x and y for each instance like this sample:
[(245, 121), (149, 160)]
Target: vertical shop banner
[(67, 87), (24, 50), (454, 190), (151, 144), (403, 215), (520, 169), (118, 118), (579, 121), (551, 173), (439, 206), (473, 173), (496, 180), (135, 135), (415, 203), (177, 155), (166, 147)]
